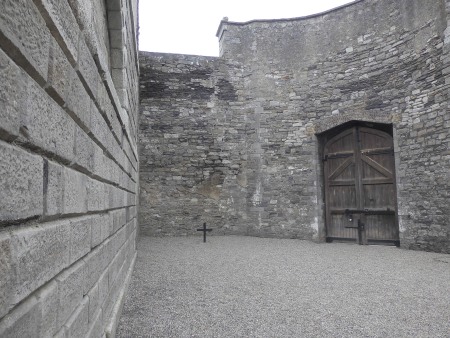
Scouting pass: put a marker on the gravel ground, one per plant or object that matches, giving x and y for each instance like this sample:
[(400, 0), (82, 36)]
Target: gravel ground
[(257, 287)]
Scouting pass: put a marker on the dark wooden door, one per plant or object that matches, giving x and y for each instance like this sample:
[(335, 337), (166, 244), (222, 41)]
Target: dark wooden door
[(360, 186)]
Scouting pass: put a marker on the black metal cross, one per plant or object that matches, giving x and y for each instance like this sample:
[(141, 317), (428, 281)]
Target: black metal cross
[(204, 232)]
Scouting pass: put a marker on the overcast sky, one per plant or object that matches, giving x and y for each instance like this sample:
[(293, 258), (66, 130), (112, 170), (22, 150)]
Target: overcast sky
[(189, 26)]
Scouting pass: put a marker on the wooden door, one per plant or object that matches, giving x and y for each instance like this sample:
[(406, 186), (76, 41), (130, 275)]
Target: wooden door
[(360, 186)]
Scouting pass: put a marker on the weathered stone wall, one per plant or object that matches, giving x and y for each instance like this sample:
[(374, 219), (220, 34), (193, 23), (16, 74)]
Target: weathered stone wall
[(374, 61), (68, 165), (192, 144)]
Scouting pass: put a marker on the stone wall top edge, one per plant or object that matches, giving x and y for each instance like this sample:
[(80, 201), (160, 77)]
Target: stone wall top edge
[(299, 18), (177, 56)]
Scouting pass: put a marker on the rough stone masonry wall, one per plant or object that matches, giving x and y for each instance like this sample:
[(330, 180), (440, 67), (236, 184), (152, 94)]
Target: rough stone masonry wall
[(376, 61), (249, 163), (192, 145), (68, 165)]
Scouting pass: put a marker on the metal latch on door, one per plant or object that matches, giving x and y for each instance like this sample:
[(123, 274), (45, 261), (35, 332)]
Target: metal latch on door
[(361, 233)]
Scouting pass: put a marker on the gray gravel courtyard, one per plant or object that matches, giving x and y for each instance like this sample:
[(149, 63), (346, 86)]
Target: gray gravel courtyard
[(235, 286)]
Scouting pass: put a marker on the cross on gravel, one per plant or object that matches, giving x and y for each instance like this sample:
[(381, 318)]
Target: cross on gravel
[(204, 231)]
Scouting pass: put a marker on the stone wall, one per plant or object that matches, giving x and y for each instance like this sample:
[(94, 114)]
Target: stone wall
[(69, 166), (192, 144), (250, 163)]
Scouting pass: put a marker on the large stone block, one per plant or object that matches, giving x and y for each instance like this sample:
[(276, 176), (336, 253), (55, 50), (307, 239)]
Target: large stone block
[(80, 237), (94, 302), (131, 199), (78, 323), (23, 321), (38, 254), (58, 72), (84, 149), (78, 100), (107, 108), (101, 33), (100, 229), (87, 68), (71, 286), (21, 183), (53, 188), (115, 19), (118, 57), (97, 261), (99, 164), (49, 304), (96, 326), (117, 198), (75, 192), (12, 96), (113, 296), (46, 125), (119, 218), (119, 77), (116, 38), (61, 333), (96, 229), (22, 27), (106, 226), (97, 198), (119, 239), (103, 287), (82, 9), (116, 265), (62, 23), (99, 128), (6, 272)]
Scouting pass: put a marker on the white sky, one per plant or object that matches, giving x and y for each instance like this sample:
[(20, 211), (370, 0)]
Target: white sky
[(189, 26)]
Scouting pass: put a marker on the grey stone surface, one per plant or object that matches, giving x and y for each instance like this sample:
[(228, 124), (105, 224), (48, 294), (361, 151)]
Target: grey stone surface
[(38, 254), (71, 286), (49, 304), (96, 195), (77, 99), (100, 229), (97, 261), (24, 322), (46, 125), (96, 326), (77, 325), (21, 183), (85, 65), (80, 237), (59, 71), (83, 149), (26, 35), (6, 273), (11, 95), (53, 188), (234, 286), (75, 192), (63, 25), (118, 219)]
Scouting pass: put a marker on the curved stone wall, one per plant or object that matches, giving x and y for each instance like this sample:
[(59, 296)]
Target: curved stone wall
[(375, 61), (304, 41)]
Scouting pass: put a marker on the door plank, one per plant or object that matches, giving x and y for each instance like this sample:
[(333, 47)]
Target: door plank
[(341, 168), (378, 167)]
